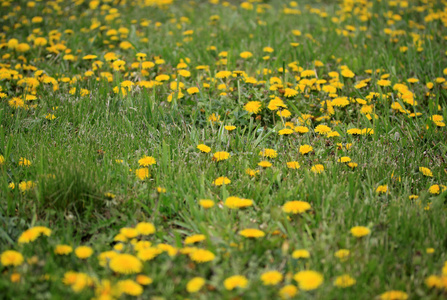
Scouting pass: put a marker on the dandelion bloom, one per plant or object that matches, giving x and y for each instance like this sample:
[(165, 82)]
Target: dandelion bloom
[(194, 239), (2, 160), (347, 73), (360, 231), (195, 284), (426, 171), (126, 264), (304, 149), (265, 164), (11, 258), (344, 159), (382, 189), (251, 172), (206, 203), (436, 189), (146, 161), (352, 165), (289, 93), (33, 233), (317, 169), (246, 54), (288, 291), (271, 153), (253, 107), (354, 131), (236, 202), (145, 228), (204, 148), (223, 74), (24, 162), (344, 281), (252, 233), (63, 250), (143, 279), (343, 254), (221, 181), (300, 253), (236, 281), (202, 255), (308, 280), (222, 155), (301, 129), (142, 173), (83, 252), (296, 207), (230, 127), (130, 287), (322, 129), (293, 165), (271, 278), (394, 295), (285, 131), (149, 253)]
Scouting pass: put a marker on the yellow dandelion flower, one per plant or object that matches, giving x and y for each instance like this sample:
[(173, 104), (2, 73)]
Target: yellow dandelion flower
[(253, 107), (142, 173), (130, 287), (204, 148), (236, 202), (63, 250), (194, 239), (296, 207), (265, 164), (143, 279), (382, 189), (202, 255), (426, 171), (83, 252), (195, 284), (305, 149), (125, 264), (145, 228), (222, 155), (308, 280), (343, 254), (11, 258), (394, 295), (344, 281), (360, 231), (206, 203), (149, 253), (221, 181), (146, 161), (271, 278), (293, 165), (252, 233), (287, 292), (317, 169), (300, 253), (236, 281)]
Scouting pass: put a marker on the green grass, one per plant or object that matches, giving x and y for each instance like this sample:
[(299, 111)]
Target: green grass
[(74, 156)]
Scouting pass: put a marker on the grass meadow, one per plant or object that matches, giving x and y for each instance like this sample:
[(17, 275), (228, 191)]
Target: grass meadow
[(170, 149)]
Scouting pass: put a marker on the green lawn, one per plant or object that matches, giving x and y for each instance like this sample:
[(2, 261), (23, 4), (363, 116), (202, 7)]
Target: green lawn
[(170, 149)]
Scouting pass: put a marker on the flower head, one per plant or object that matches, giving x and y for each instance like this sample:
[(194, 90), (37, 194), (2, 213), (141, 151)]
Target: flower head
[(360, 231), (253, 107), (11, 258), (271, 278), (125, 264), (296, 207), (195, 284), (308, 280), (236, 281), (252, 233)]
